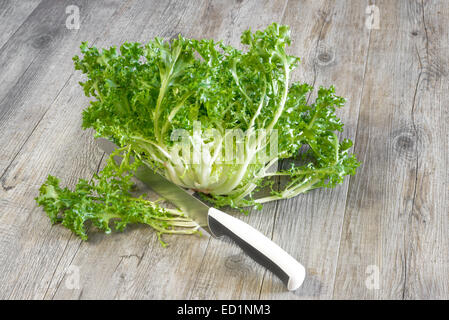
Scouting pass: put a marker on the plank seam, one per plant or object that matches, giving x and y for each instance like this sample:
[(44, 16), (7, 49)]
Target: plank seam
[(200, 265), (279, 186), (406, 247), (59, 262), (57, 265), (355, 141), (71, 261), (20, 26), (415, 184), (315, 72), (51, 104), (31, 133), (2, 115)]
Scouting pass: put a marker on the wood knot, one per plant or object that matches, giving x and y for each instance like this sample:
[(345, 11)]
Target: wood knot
[(405, 143), (408, 141), (325, 56), (434, 67), (236, 264), (414, 33), (4, 183), (41, 41)]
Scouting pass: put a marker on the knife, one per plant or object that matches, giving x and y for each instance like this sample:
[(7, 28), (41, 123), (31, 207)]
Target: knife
[(255, 244)]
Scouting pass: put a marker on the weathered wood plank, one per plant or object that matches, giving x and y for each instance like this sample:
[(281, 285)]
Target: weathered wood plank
[(394, 213), (378, 197), (12, 15), (36, 63), (427, 240), (332, 39), (58, 146), (38, 35)]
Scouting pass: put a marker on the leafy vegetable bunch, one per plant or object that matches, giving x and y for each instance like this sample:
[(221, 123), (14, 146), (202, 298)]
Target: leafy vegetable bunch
[(146, 97)]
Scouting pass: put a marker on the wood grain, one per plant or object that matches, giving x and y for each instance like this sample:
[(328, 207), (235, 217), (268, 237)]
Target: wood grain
[(397, 202), (334, 47), (36, 64), (427, 241), (68, 156), (392, 216), (12, 16)]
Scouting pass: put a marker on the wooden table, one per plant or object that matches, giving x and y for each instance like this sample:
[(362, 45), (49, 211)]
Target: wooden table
[(383, 234)]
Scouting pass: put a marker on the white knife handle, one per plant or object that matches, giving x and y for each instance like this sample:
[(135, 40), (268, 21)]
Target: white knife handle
[(257, 246)]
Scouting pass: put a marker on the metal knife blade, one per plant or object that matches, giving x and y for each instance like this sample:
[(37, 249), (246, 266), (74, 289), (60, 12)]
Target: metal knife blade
[(196, 209)]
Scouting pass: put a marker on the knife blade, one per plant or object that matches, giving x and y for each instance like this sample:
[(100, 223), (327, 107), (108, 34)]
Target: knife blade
[(255, 244)]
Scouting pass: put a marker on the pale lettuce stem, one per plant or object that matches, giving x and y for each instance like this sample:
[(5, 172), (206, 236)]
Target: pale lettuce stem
[(274, 174), (151, 152), (160, 97), (298, 172), (98, 91), (178, 215), (186, 224), (283, 99), (246, 191), (225, 168), (337, 149), (262, 99), (289, 193), (173, 113), (174, 212), (192, 230), (186, 174), (206, 167), (173, 221), (312, 121), (248, 188), (173, 176), (280, 110), (234, 180), (223, 172), (237, 81), (218, 148), (164, 85), (125, 160), (159, 147), (197, 167)]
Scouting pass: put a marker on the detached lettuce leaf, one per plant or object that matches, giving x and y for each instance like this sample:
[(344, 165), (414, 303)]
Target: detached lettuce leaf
[(106, 201)]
